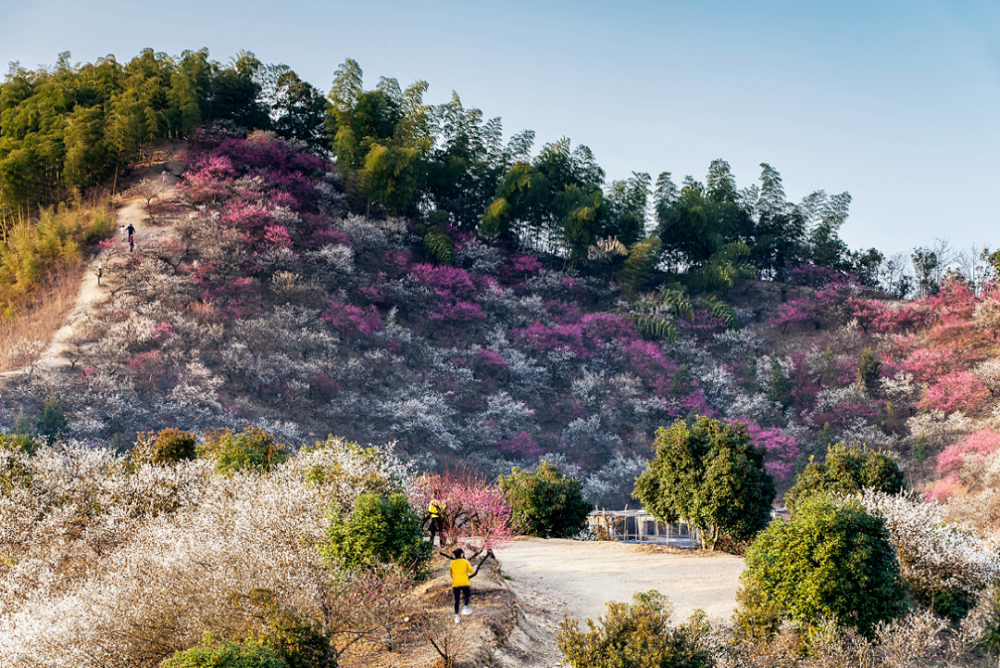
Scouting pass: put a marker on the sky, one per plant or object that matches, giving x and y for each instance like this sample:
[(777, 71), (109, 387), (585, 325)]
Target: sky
[(895, 102)]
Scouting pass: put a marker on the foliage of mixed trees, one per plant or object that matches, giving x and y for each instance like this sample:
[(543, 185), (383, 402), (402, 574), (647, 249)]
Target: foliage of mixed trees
[(377, 266), (272, 304)]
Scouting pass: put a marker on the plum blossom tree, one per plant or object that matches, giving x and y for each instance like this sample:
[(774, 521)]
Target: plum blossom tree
[(476, 514)]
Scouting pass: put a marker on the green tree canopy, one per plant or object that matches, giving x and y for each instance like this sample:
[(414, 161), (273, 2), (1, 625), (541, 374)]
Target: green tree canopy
[(557, 196), (829, 561), (710, 474), (380, 529), (847, 469), (546, 502)]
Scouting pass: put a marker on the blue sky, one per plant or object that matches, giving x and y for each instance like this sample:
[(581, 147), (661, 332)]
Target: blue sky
[(896, 102)]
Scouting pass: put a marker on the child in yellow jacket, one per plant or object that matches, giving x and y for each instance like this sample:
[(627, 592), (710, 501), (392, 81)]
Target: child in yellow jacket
[(461, 571)]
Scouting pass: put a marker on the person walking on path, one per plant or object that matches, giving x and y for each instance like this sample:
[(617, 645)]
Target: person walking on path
[(131, 238), (461, 573), (122, 229), (100, 270), (437, 522), (164, 178)]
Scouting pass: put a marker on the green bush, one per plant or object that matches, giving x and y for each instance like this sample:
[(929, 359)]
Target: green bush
[(546, 502), (252, 449), (166, 446), (51, 422), (380, 529), (831, 561), (847, 470), (869, 371), (636, 635), (296, 639), (710, 474), (213, 654), (15, 441)]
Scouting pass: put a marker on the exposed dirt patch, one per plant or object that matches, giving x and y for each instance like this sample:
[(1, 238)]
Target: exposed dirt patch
[(480, 639), (71, 336), (579, 578)]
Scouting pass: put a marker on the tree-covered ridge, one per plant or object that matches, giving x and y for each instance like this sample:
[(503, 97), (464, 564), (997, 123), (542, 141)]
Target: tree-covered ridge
[(447, 164), (67, 127)]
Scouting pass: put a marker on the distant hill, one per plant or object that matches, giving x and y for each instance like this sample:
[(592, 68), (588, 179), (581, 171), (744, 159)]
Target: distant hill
[(268, 303)]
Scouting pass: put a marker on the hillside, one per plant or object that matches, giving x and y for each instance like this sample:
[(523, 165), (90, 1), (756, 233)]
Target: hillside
[(270, 304)]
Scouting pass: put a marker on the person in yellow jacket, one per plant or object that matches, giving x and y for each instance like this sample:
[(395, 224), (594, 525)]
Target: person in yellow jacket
[(435, 509), (461, 571)]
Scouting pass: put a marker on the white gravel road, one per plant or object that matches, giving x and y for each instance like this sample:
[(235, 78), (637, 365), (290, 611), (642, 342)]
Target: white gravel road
[(581, 577)]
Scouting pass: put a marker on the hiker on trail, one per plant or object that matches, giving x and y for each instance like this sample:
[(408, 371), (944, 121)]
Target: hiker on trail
[(131, 231), (437, 522), (461, 571), (100, 270), (164, 177), (122, 229)]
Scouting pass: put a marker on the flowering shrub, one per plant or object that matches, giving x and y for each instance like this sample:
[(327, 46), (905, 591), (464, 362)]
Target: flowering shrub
[(352, 320), (945, 565), (982, 442), (780, 450), (926, 364), (475, 513), (117, 565), (957, 391)]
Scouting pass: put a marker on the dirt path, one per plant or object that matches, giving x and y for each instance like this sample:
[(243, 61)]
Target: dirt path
[(581, 577), (91, 294), (554, 579)]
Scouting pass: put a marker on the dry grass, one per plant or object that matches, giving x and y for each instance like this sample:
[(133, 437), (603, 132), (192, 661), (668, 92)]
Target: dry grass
[(45, 314)]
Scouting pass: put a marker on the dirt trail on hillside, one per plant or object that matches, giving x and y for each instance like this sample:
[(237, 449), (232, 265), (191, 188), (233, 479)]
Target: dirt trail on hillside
[(91, 294), (554, 578)]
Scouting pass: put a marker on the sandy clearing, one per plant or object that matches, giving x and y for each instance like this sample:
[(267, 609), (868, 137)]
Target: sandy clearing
[(581, 577)]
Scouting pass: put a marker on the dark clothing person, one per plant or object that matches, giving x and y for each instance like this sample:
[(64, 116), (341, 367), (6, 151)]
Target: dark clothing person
[(461, 592), (437, 529), (130, 230)]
